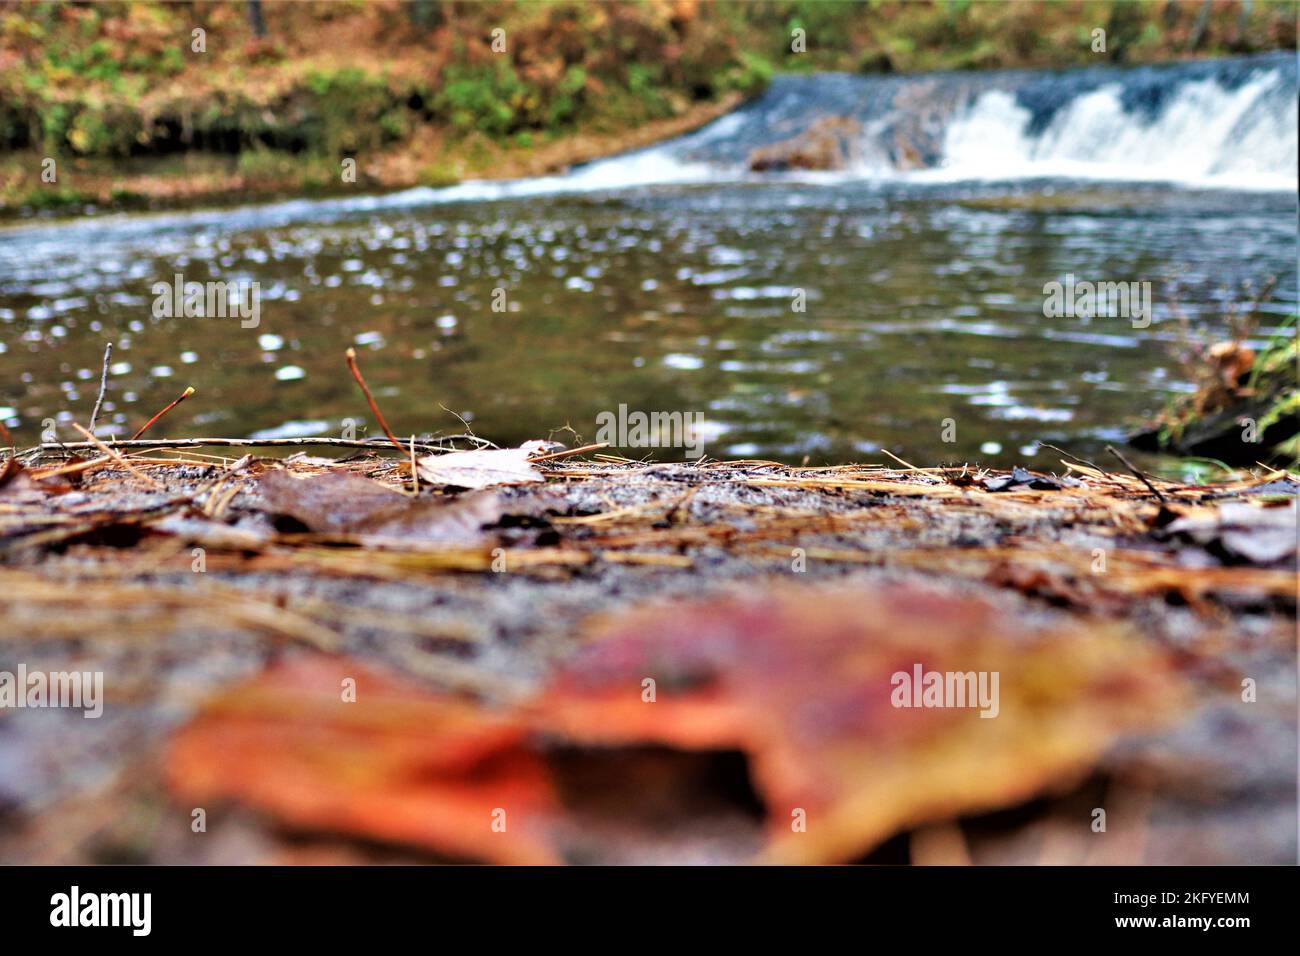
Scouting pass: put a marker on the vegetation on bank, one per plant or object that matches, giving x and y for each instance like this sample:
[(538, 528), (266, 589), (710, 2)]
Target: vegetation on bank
[(1244, 408), (136, 106)]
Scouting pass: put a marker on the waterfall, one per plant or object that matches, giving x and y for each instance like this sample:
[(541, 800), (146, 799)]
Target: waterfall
[(1230, 123)]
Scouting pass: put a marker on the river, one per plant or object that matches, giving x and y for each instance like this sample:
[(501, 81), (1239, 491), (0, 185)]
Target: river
[(897, 303)]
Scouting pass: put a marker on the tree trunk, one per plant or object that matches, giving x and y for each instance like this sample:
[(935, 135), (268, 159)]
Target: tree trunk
[(255, 18), (422, 13)]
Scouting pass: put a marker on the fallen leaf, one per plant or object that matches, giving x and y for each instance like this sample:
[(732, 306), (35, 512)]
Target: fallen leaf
[(1246, 531), (396, 764), (332, 501), (343, 503), (482, 468), (803, 683), (451, 521)]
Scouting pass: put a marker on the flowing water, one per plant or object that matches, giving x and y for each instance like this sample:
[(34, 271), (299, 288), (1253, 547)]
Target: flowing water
[(897, 303)]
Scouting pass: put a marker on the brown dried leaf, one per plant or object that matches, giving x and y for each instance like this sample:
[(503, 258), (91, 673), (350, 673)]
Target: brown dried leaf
[(450, 521), (803, 682), (343, 503), (396, 764), (333, 501)]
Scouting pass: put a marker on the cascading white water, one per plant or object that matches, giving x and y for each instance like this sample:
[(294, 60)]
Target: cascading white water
[(1222, 123), (1205, 135)]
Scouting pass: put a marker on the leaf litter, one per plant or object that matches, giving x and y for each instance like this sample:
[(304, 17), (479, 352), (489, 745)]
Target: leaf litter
[(500, 639)]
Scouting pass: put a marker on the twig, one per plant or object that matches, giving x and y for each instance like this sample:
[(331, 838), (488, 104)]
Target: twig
[(1084, 461), (1129, 465), (379, 416), (103, 384), (253, 443), (570, 451), (459, 418), (184, 395), (118, 458), (72, 469), (415, 471), (899, 460)]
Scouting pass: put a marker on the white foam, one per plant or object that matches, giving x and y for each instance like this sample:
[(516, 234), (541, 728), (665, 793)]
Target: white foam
[(652, 167), (1205, 136)]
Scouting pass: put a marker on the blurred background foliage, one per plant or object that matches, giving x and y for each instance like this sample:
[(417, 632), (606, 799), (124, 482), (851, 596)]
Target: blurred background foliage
[(282, 91)]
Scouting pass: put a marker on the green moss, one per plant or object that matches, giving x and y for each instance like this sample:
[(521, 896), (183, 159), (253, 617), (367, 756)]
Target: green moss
[(749, 76), (438, 175), (126, 197), (53, 197), (488, 98)]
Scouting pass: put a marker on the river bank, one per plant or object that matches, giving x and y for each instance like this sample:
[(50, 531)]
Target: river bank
[(199, 180), (146, 106)]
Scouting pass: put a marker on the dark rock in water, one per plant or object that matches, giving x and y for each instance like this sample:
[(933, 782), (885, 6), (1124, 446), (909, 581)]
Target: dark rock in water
[(1243, 410), (829, 143), (1219, 436)]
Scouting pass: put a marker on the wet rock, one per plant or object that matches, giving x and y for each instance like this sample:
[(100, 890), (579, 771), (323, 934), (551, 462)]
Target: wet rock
[(829, 143)]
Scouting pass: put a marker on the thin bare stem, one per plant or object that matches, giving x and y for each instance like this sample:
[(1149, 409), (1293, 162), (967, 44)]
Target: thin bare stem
[(900, 461), (103, 384), (415, 471), (73, 469), (379, 416), (184, 395), (1131, 467)]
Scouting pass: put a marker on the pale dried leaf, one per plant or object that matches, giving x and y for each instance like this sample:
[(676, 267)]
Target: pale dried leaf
[(481, 468)]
